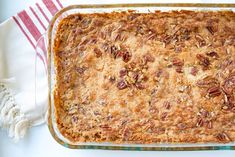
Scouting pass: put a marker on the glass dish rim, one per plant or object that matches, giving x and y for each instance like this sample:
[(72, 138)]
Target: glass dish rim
[(123, 147)]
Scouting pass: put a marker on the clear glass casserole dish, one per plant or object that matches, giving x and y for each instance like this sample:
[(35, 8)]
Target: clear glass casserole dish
[(143, 8)]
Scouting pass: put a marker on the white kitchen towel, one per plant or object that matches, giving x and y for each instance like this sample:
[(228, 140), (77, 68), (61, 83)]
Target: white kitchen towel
[(23, 90)]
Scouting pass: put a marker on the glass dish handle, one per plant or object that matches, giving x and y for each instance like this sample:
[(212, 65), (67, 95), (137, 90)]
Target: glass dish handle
[(41, 80)]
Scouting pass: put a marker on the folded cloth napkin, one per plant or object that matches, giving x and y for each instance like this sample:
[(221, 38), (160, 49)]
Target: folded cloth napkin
[(23, 80)]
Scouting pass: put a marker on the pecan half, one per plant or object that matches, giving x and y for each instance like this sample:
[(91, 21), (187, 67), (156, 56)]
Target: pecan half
[(199, 122), (204, 61), (211, 29), (209, 125), (177, 62), (98, 53), (121, 84), (122, 72), (212, 54), (126, 56), (223, 137), (207, 82), (194, 71), (214, 91)]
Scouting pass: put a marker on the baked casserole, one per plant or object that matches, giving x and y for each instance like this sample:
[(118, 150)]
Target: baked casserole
[(159, 77)]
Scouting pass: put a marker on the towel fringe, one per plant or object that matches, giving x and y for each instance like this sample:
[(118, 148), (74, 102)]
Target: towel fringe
[(11, 117)]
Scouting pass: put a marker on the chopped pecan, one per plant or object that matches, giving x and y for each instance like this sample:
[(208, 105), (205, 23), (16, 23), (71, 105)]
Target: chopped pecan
[(148, 58), (179, 69), (212, 54), (167, 105), (114, 51), (178, 49), (209, 125), (106, 127), (199, 122), (222, 137), (211, 29), (194, 71), (181, 126), (204, 113), (121, 84), (229, 85), (214, 91), (140, 85), (123, 72), (204, 61), (163, 116), (112, 78), (177, 62), (126, 56), (200, 40), (228, 102), (98, 53), (151, 36), (166, 39), (81, 70), (105, 46)]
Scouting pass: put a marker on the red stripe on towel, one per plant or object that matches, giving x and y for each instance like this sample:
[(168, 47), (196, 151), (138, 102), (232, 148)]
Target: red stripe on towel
[(30, 41), (59, 3), (34, 13), (28, 22), (50, 6), (17, 22), (40, 9)]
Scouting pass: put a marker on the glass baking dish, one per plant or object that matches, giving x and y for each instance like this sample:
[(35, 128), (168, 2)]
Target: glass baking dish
[(110, 8)]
